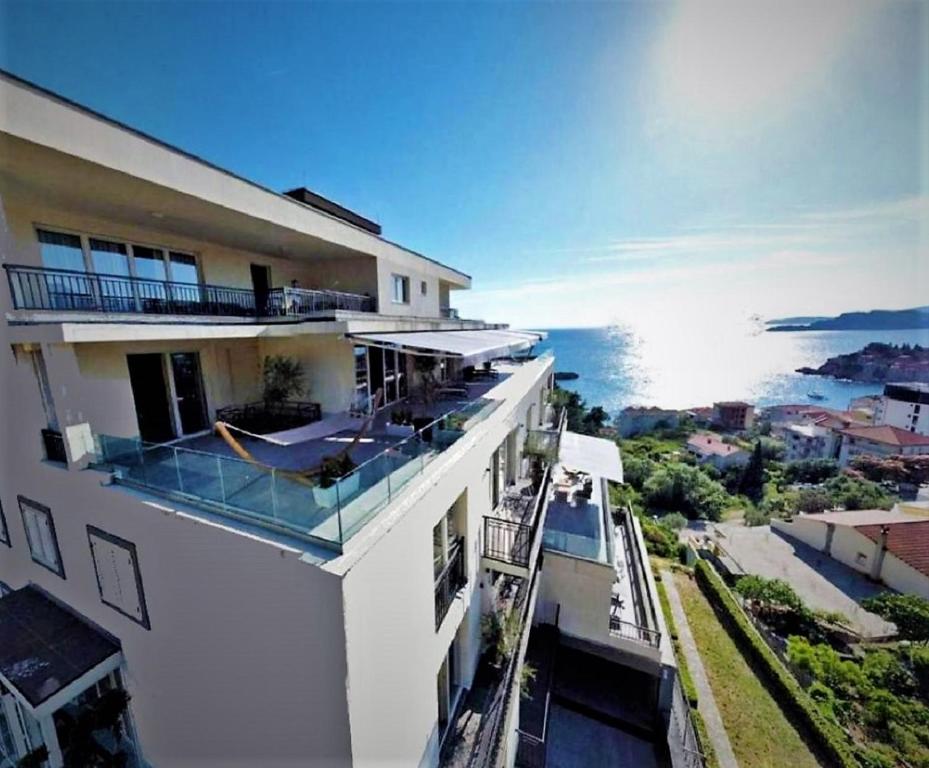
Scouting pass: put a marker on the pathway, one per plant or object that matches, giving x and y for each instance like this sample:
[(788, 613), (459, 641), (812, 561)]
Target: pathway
[(707, 703)]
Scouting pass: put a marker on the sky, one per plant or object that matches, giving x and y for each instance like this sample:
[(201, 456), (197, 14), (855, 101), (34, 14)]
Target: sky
[(585, 163)]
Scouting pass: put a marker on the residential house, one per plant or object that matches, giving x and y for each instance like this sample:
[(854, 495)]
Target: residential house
[(880, 441), (710, 448), (809, 441), (637, 420), (889, 546), (733, 415)]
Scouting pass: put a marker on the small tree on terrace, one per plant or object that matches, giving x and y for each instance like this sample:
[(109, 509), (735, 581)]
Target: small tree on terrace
[(752, 481)]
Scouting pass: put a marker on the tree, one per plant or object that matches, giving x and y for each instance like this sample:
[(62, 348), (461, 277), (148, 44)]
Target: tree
[(751, 483), (893, 469), (909, 612), (592, 421), (854, 493), (677, 487), (813, 500), (810, 470), (282, 379), (637, 470)]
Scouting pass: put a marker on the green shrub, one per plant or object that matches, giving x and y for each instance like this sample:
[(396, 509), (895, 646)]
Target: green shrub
[(909, 612), (832, 740)]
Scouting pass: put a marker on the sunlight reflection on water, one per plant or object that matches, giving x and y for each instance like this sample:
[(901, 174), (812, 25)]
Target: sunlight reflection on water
[(681, 366)]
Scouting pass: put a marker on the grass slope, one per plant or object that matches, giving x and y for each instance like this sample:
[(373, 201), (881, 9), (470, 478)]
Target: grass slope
[(760, 733)]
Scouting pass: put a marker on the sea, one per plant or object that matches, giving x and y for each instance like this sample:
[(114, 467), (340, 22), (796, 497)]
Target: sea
[(675, 367)]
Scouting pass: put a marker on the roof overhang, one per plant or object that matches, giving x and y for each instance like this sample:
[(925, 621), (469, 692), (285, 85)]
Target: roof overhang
[(594, 455), (473, 347), (49, 655)]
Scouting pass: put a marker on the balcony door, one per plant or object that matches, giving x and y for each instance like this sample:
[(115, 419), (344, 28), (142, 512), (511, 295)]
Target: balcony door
[(150, 392), (188, 392), (261, 284)]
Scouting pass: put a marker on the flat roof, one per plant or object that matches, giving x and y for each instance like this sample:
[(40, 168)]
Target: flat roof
[(595, 455), (44, 647)]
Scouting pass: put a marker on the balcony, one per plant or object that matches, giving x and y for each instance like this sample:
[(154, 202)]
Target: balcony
[(62, 290), (449, 313), (449, 581), (511, 537), (275, 489)]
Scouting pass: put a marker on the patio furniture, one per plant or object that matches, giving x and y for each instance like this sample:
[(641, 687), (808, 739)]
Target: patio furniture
[(262, 418)]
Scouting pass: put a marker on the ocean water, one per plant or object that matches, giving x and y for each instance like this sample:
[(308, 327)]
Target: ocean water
[(677, 367)]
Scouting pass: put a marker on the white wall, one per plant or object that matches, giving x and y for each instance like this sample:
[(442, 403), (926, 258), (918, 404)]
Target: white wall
[(582, 589), (394, 650), (900, 414)]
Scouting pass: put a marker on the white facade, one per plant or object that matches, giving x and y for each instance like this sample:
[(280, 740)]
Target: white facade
[(261, 644), (808, 441), (905, 406)]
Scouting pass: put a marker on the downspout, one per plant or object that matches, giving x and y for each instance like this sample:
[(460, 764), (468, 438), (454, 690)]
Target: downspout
[(880, 551)]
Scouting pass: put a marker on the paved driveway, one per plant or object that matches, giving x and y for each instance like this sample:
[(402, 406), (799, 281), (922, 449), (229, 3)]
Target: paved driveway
[(821, 581)]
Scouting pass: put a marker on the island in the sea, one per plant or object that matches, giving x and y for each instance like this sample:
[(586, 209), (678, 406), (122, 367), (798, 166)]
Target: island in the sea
[(875, 320), (878, 364)]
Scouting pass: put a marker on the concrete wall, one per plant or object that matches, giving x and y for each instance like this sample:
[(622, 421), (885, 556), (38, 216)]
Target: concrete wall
[(419, 305), (810, 532), (900, 414), (582, 589), (394, 650), (328, 366)]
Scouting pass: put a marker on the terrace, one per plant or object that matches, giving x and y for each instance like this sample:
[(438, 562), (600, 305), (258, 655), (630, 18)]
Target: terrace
[(281, 489)]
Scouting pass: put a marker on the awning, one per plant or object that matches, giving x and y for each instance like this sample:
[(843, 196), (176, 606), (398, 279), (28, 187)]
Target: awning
[(593, 455), (48, 655), (473, 347)]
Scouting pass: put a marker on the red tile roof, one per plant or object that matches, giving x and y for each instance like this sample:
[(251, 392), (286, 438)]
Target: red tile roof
[(888, 435), (908, 541), (705, 444)]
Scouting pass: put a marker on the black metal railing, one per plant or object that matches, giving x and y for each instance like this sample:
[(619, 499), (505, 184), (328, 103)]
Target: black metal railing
[(54, 446), (70, 290), (303, 301), (449, 313), (42, 288), (629, 631), (262, 418), (449, 581), (510, 541)]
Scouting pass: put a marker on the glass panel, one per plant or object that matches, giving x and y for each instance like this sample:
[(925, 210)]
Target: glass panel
[(60, 251), (184, 268), (149, 263), (108, 259)]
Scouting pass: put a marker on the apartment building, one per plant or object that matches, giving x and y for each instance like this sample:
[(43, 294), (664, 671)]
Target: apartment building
[(306, 586), (905, 406), (881, 441)]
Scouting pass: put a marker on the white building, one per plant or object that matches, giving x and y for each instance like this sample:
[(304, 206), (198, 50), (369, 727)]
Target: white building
[(636, 420), (889, 546), (254, 615), (880, 441), (809, 441), (258, 605), (905, 406)]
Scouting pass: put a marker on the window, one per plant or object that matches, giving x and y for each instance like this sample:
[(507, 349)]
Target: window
[(40, 533), (116, 565), (423, 287), (4, 531), (111, 262), (361, 402), (184, 268), (61, 251), (401, 289)]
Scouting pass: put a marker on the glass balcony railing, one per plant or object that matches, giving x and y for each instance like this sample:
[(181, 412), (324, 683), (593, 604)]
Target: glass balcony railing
[(285, 500)]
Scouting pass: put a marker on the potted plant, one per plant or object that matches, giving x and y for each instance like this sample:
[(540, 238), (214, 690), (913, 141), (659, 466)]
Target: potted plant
[(337, 481), (282, 380), (401, 422)]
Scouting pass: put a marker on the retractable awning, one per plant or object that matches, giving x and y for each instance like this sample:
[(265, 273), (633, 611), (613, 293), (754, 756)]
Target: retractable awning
[(473, 347), (593, 455)]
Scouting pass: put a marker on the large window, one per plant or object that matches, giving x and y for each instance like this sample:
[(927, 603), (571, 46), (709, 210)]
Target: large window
[(361, 401), (111, 262), (116, 564), (40, 534), (400, 289), (61, 251)]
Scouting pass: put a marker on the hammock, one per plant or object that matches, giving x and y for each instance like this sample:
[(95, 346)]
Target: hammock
[(300, 475)]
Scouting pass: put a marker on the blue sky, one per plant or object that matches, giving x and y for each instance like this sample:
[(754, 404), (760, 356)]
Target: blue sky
[(586, 163)]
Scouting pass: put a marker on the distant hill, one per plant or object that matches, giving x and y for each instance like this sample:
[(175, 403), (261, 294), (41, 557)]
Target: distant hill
[(799, 320), (875, 320)]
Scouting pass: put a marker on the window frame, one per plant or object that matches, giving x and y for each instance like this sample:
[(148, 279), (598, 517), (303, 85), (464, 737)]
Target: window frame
[(37, 507), (423, 288), (404, 281), (4, 529), (118, 541)]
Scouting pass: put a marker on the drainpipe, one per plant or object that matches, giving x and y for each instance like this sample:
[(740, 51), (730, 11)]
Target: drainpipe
[(879, 552), (830, 532)]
